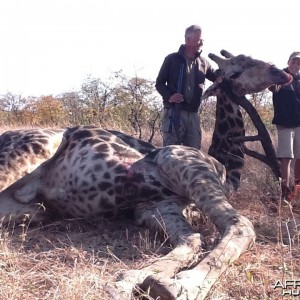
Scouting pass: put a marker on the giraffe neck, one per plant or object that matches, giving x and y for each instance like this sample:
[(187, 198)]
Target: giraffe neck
[(229, 124)]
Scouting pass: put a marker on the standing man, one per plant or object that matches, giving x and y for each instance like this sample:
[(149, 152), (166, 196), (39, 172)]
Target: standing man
[(286, 101), (180, 82)]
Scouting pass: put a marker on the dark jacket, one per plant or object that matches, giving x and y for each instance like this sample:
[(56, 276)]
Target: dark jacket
[(167, 79), (286, 102)]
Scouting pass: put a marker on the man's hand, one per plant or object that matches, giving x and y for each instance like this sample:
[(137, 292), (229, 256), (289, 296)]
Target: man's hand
[(275, 88), (176, 98)]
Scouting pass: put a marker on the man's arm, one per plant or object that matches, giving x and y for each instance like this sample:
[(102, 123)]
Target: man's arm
[(162, 79)]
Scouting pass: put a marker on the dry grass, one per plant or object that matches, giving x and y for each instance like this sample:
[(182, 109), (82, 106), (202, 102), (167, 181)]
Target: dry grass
[(276, 254), (72, 259)]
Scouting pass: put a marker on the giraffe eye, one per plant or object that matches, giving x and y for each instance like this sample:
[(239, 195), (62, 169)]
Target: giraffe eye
[(235, 75)]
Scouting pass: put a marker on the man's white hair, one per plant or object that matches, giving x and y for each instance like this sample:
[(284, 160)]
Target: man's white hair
[(192, 29)]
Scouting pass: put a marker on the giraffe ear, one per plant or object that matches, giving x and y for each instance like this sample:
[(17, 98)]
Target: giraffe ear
[(212, 90), (226, 54)]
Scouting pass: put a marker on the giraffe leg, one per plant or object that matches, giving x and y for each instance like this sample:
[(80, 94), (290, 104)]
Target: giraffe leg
[(196, 283), (165, 217), (199, 179)]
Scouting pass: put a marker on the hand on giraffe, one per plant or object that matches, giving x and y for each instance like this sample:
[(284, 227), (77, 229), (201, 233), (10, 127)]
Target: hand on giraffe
[(176, 98), (275, 88), (219, 75), (219, 79)]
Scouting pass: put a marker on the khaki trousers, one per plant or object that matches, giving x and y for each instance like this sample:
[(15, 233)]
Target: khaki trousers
[(189, 130)]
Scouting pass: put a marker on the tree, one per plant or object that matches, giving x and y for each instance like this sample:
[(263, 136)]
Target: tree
[(73, 107), (12, 104), (96, 96), (50, 111), (136, 101)]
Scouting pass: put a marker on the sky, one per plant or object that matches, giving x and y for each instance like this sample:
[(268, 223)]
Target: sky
[(50, 47)]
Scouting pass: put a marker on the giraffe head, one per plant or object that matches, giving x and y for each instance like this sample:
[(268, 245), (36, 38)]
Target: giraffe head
[(241, 75), (248, 75)]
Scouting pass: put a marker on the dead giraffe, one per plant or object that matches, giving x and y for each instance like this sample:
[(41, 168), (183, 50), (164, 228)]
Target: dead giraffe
[(95, 170)]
